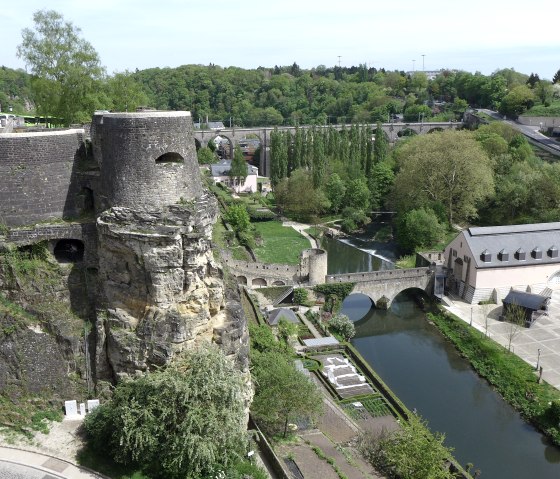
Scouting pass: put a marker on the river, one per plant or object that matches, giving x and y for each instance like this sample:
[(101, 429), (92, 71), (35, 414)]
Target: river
[(428, 375)]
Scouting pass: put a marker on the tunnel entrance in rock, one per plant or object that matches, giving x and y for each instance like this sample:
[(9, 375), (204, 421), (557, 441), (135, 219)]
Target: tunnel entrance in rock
[(69, 251)]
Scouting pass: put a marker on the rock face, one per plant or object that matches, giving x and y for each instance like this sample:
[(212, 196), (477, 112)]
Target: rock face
[(162, 290), (149, 283)]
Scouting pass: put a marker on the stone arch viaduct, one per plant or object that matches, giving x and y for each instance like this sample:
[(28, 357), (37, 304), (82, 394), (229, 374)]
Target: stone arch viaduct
[(235, 135), (387, 284)]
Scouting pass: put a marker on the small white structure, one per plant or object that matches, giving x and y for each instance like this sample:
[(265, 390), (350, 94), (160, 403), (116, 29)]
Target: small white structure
[(92, 404), (71, 410)]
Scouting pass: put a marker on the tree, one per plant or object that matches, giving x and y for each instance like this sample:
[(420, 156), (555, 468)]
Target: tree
[(237, 216), (335, 191), (186, 421), (66, 69), (517, 101), (358, 195), (556, 77), (282, 393), (125, 93), (238, 169), (447, 167), (515, 315), (298, 197), (380, 147), (205, 156), (419, 228), (411, 452)]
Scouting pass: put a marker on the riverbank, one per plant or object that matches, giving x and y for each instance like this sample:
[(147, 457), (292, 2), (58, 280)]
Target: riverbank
[(514, 379)]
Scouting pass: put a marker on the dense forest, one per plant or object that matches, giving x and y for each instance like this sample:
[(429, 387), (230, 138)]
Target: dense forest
[(292, 96)]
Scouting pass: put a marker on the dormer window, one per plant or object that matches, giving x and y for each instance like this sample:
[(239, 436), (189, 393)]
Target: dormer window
[(536, 253), (486, 256), (503, 255), (553, 252), (520, 254)]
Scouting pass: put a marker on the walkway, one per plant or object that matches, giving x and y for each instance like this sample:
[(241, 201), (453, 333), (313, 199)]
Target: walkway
[(540, 342), (20, 463), (300, 228)]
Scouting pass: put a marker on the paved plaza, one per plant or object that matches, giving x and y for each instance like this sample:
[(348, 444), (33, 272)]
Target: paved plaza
[(543, 335)]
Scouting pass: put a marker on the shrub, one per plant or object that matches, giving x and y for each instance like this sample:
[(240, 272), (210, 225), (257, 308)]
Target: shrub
[(301, 296), (342, 325)]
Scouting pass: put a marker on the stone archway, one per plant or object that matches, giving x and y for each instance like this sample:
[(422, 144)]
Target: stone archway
[(259, 282), (242, 280)]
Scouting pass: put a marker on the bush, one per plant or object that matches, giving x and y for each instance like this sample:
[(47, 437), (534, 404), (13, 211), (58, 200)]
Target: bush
[(301, 296), (342, 325)]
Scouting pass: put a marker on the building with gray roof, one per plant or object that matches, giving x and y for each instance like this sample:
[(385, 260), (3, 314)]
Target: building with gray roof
[(486, 262)]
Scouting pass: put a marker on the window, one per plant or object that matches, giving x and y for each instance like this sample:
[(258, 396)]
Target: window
[(553, 252), (486, 256), (536, 253), (503, 255), (520, 254)]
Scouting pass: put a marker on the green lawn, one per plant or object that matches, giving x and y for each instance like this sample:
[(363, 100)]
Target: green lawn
[(280, 244)]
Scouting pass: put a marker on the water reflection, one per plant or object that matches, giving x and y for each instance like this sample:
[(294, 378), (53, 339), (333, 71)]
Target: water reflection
[(428, 374)]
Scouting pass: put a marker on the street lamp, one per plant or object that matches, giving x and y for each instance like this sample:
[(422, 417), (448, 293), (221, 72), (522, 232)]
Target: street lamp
[(538, 359)]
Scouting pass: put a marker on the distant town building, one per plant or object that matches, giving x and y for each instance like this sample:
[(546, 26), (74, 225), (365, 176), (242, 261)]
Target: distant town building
[(220, 174)]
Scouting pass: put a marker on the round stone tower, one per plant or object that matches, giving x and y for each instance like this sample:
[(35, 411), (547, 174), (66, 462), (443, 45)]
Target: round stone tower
[(148, 159), (315, 259)]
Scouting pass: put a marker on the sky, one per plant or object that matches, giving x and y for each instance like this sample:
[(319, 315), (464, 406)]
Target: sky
[(477, 35)]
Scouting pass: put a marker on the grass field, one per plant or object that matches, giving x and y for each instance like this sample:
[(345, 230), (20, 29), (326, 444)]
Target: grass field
[(280, 244)]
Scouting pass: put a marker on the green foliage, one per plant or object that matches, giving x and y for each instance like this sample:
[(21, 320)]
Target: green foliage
[(353, 219), (25, 415), (334, 293), (206, 156), (287, 329), (66, 68), (238, 165), (411, 452), (448, 167), (297, 196), (282, 393), (301, 296), (512, 377), (418, 229), (341, 324), (517, 101), (237, 216), (162, 421), (125, 93), (335, 191)]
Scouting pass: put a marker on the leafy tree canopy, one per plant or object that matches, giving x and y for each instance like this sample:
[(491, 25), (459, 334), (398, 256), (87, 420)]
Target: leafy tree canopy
[(186, 421), (66, 68)]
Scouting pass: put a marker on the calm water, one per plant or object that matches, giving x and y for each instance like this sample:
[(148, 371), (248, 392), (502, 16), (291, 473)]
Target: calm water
[(427, 374)]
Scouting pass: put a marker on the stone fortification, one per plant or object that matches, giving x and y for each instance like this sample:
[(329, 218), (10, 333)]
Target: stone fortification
[(148, 159), (142, 246), (38, 172)]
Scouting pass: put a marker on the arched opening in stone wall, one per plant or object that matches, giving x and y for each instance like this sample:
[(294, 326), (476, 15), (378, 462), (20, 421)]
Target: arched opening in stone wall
[(258, 282), (278, 283), (406, 132), (170, 158), (69, 251), (224, 147), (87, 201), (251, 146), (242, 280)]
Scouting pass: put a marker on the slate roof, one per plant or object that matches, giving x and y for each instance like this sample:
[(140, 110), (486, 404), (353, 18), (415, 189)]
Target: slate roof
[(222, 168), (530, 301), (277, 314), (503, 246)]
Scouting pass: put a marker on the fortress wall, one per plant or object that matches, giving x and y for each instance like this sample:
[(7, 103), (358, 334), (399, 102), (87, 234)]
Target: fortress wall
[(37, 174), (130, 145)]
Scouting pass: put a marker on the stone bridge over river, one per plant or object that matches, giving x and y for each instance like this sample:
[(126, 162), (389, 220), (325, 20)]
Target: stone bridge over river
[(386, 284), (236, 135)]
